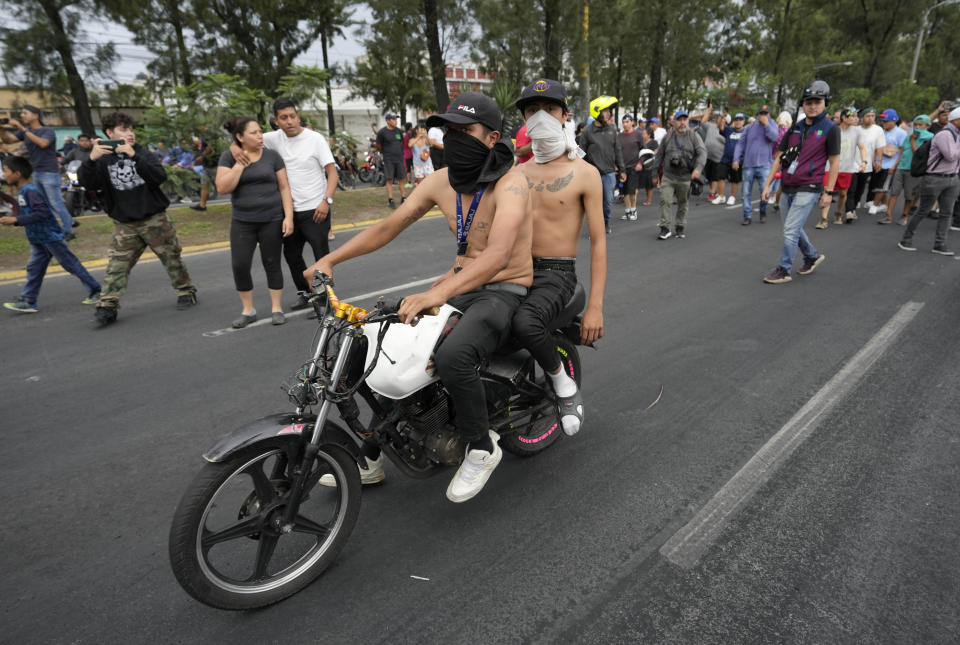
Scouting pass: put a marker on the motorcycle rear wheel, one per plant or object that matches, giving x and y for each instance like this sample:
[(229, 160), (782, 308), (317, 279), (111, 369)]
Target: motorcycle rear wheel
[(542, 431), (227, 547)]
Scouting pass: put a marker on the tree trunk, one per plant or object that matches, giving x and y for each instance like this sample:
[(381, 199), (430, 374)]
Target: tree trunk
[(552, 56), (781, 44), (182, 57), (331, 124), (585, 56), (81, 102), (656, 70), (619, 55), (438, 70)]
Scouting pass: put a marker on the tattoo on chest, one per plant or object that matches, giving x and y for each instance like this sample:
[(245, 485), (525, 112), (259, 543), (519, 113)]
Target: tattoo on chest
[(554, 186), (519, 190), (482, 226)]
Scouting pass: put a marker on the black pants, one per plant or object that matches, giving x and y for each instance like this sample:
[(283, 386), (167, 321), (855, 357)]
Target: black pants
[(551, 290), (305, 230), (436, 156), (484, 327), (859, 183), (244, 238)]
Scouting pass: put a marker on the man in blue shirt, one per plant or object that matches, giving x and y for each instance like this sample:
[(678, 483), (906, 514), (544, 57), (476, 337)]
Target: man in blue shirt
[(890, 154), (753, 154), (41, 145)]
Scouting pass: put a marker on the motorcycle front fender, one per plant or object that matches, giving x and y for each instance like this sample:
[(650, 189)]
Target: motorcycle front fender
[(283, 424)]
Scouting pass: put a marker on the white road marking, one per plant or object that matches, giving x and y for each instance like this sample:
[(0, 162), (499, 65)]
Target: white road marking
[(419, 578), (304, 312), (687, 545)]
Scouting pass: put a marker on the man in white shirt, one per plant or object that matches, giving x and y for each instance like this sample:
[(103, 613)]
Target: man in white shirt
[(658, 131), (435, 135), (871, 178), (313, 178)]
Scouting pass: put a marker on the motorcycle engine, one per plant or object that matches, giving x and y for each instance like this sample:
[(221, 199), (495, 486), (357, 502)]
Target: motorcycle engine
[(426, 425)]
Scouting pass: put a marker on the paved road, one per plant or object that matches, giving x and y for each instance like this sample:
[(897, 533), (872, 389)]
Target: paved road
[(851, 539)]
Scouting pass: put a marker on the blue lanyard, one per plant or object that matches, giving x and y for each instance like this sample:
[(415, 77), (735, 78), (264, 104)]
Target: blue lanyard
[(463, 228)]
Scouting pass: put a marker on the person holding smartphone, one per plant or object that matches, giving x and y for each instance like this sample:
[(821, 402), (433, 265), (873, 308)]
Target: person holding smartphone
[(129, 177), (41, 143)]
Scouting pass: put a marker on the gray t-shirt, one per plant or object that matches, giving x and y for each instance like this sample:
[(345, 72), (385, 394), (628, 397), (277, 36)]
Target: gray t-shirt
[(43, 159), (257, 195), (713, 140)]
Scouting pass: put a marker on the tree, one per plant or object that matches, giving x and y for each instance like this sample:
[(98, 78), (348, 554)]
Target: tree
[(393, 73), (28, 50), (334, 20)]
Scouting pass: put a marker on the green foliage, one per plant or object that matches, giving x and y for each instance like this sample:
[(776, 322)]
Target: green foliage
[(201, 110), (181, 181), (909, 99), (304, 84), (857, 97)]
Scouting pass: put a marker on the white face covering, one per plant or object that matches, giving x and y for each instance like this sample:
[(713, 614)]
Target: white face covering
[(549, 138)]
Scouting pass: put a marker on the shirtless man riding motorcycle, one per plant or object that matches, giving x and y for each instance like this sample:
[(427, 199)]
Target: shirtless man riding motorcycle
[(485, 204), (563, 190)]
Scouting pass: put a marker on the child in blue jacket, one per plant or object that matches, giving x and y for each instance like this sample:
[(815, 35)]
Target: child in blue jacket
[(45, 236)]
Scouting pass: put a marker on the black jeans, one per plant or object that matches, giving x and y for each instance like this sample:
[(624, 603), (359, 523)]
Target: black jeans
[(484, 327), (551, 290), (244, 238), (305, 230)]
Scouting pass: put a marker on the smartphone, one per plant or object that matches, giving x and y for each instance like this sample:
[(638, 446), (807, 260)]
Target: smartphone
[(4, 120), (111, 143)]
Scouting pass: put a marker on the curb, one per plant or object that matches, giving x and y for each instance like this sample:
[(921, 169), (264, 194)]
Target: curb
[(18, 275)]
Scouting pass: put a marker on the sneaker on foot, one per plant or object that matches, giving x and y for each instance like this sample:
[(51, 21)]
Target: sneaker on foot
[(778, 276), (731, 201), (186, 301), (679, 233), (633, 215), (903, 222), (711, 198), (718, 200), (664, 233), (821, 224), (391, 203), (953, 227), (277, 318), (626, 214), (21, 306), (92, 298), (851, 217), (474, 472), (198, 207), (873, 209), (609, 228), (746, 221), (942, 250), (106, 315), (372, 474), (885, 220), (69, 237), (763, 218), (809, 264), (882, 208), (838, 219), (906, 246)]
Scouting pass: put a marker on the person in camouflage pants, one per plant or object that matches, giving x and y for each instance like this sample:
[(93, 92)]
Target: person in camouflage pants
[(129, 241), (130, 179)]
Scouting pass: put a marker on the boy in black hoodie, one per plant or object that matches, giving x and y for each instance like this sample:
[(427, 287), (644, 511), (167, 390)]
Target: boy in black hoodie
[(130, 179)]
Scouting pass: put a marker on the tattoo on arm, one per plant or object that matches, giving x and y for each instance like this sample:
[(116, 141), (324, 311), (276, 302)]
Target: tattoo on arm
[(414, 216), (517, 189), (559, 184)]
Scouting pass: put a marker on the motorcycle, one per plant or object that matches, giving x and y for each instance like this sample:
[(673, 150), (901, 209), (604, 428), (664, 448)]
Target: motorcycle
[(76, 197), (371, 171), (254, 526)]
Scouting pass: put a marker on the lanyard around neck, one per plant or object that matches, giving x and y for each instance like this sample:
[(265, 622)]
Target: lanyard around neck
[(463, 226)]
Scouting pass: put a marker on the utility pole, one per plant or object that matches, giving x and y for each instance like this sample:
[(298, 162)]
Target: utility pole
[(923, 30)]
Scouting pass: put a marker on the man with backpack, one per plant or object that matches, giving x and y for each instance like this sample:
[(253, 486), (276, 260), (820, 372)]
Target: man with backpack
[(904, 180), (939, 184)]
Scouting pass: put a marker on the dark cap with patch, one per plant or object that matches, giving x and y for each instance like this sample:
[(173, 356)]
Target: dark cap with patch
[(543, 89), (467, 108)]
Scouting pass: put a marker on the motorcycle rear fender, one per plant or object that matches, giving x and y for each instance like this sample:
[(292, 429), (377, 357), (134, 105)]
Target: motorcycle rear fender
[(283, 424)]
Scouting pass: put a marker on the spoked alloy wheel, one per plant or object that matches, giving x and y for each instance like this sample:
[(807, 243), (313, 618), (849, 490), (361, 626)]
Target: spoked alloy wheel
[(229, 547), (543, 430)]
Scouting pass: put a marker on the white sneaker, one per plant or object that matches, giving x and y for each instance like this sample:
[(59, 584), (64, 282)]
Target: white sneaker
[(882, 208), (731, 200), (718, 200), (373, 474), (873, 209), (474, 472), (633, 215)]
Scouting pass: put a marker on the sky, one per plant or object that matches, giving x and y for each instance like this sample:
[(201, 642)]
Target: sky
[(133, 58)]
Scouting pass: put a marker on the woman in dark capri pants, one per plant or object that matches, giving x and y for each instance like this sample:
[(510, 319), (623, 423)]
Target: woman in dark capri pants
[(262, 215)]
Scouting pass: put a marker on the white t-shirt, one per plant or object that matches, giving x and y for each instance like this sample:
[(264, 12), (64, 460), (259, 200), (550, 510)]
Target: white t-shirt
[(872, 138), (306, 156), (435, 135), (659, 133), (850, 140)]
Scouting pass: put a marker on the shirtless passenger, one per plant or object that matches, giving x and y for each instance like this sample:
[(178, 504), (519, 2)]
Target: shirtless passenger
[(485, 203), (563, 189)]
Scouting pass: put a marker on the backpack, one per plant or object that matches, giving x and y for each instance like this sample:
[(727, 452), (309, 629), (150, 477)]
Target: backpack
[(918, 166)]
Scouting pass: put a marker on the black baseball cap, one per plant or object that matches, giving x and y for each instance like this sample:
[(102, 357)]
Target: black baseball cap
[(467, 108), (543, 89)]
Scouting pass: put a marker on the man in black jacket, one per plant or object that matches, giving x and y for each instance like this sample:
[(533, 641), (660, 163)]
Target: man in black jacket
[(130, 179), (601, 144)]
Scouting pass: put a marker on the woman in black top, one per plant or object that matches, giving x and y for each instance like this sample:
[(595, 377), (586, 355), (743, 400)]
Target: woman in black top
[(262, 214)]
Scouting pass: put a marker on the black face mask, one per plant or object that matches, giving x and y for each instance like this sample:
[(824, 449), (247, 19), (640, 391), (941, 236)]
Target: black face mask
[(470, 162)]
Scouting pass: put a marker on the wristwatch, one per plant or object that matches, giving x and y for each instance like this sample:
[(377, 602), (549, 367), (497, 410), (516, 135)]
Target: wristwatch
[(329, 200)]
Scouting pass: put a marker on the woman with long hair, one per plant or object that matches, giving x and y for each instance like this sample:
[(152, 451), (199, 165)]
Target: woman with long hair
[(262, 215)]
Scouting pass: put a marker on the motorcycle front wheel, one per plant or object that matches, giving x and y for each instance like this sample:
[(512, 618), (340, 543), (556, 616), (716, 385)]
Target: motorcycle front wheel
[(228, 545), (543, 430)]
